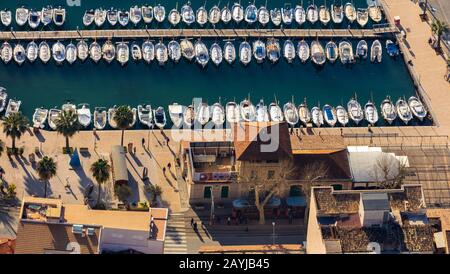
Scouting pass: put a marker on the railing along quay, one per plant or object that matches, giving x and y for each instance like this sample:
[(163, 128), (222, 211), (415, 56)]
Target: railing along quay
[(194, 33)]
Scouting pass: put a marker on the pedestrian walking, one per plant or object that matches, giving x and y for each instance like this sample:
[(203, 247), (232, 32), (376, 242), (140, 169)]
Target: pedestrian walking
[(169, 165), (164, 170), (143, 142), (229, 221), (134, 150)]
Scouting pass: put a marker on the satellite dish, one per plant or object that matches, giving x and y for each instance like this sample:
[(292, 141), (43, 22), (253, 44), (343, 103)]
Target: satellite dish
[(374, 248), (74, 248)]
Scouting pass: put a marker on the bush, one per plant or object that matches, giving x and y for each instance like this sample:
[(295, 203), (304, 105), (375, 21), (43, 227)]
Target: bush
[(123, 192), (154, 191), (11, 191)]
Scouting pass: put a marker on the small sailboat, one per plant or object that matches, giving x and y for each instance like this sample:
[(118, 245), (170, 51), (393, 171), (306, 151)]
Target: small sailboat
[(290, 114), (59, 52), (355, 111), (202, 16), (82, 50), (362, 49), (324, 14), (216, 54), (203, 114), (99, 17), (136, 52), (225, 15), (111, 120), (388, 110), (59, 16), (300, 15), (147, 14), (276, 17), (217, 114), (342, 115), (145, 115), (44, 52), (371, 113), (251, 14), (245, 53), (318, 53), (88, 17), (232, 112), (261, 112), (84, 115), (40, 117), (350, 12), (329, 115), (53, 116), (275, 112), (174, 17), (176, 114), (346, 52), (6, 17), (19, 54), (112, 16), (3, 97), (34, 18), (189, 116), (100, 118), (124, 17), (237, 12), (392, 48), (332, 51), (312, 13), (148, 51), (403, 111), (362, 17), (289, 51), (304, 113), (95, 51), (159, 13), (13, 107), (303, 51), (21, 16), (187, 49), (214, 15), (229, 52), (337, 13), (109, 51), (174, 51), (263, 15), (123, 53), (417, 108), (273, 50), (317, 116), (376, 51), (201, 53), (287, 14), (187, 14), (135, 15), (71, 53), (32, 51), (259, 50), (248, 111), (161, 52), (375, 12), (6, 52)]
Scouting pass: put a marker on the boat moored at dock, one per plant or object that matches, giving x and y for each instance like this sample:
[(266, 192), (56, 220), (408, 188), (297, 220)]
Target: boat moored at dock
[(417, 108), (100, 118), (388, 110), (40, 117), (84, 115), (403, 111)]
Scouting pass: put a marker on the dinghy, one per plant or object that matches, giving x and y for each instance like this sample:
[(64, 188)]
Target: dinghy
[(300, 15), (392, 48), (287, 14), (174, 51), (124, 17), (362, 49), (40, 117), (174, 17), (21, 16), (312, 13), (317, 116), (100, 118), (259, 51), (337, 13), (99, 17), (417, 108), (135, 15), (159, 13), (145, 115), (375, 12), (275, 112), (123, 53), (214, 15), (232, 112), (251, 14), (59, 52), (346, 52), (371, 113), (202, 16), (225, 15), (19, 54), (34, 19), (362, 17), (3, 97), (95, 51), (248, 111), (388, 110), (342, 115), (59, 16), (355, 111), (276, 17), (350, 12), (376, 52), (176, 114), (109, 51), (245, 53), (6, 52), (329, 115), (161, 52), (324, 15), (147, 14), (317, 53), (84, 115), (261, 112), (332, 51), (13, 107), (53, 116), (71, 53), (303, 51), (88, 17), (216, 54), (6, 17), (189, 116), (112, 16), (289, 51), (403, 111), (44, 52), (187, 14), (136, 52), (229, 52), (273, 50), (290, 114), (263, 16), (187, 49), (82, 50), (201, 53), (111, 114), (217, 115), (203, 114), (32, 51), (237, 12), (304, 113), (148, 51)]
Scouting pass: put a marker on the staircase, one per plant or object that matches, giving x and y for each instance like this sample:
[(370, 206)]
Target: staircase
[(175, 241)]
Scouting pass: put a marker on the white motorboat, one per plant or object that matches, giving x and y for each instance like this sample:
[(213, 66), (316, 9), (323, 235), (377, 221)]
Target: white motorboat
[(202, 16), (300, 15), (291, 114), (100, 118), (329, 115), (375, 12), (100, 17), (376, 51), (148, 51), (145, 115), (161, 53), (187, 14), (82, 50), (303, 51), (189, 116), (53, 116), (324, 14), (59, 52), (233, 114), (318, 53), (417, 108), (312, 13), (174, 51), (202, 115), (275, 112), (217, 115), (362, 49), (273, 50), (84, 115), (201, 53), (287, 14), (248, 111), (44, 52), (337, 13), (304, 114), (88, 17), (19, 54), (124, 17), (355, 111), (13, 107), (251, 14), (108, 51), (332, 51), (245, 53), (371, 113), (259, 50), (34, 19), (237, 12), (176, 114), (135, 15), (403, 111), (32, 51), (40, 117), (111, 120), (95, 51), (262, 115), (229, 52), (317, 116), (59, 16), (214, 15), (388, 110), (342, 115), (6, 17), (147, 14), (112, 16), (3, 97), (225, 15), (47, 15), (71, 53), (136, 52), (263, 15), (6, 52), (187, 49), (276, 17), (21, 16), (174, 17), (123, 53), (362, 17), (289, 52), (159, 12), (346, 52), (350, 12), (216, 54)]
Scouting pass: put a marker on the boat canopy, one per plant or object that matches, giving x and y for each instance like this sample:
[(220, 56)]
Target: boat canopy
[(119, 165)]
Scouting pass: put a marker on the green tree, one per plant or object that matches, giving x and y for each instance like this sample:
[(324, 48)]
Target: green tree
[(154, 191), (124, 119), (438, 27), (14, 126), (67, 125), (123, 192), (46, 169), (101, 171)]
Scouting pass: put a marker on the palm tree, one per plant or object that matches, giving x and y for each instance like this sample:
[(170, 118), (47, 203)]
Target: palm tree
[(14, 126), (154, 191), (2, 147), (67, 125), (438, 27), (100, 170), (46, 169), (123, 118)]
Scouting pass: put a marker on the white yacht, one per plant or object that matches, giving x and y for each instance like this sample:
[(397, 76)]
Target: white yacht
[(71, 53), (19, 54), (342, 115), (346, 52), (417, 108), (216, 54), (251, 14), (82, 50), (174, 51), (123, 53), (32, 51), (159, 116), (203, 115), (229, 52), (225, 15), (112, 16), (376, 51), (100, 118), (176, 114), (3, 97), (187, 49), (214, 15), (21, 16), (262, 114), (88, 17), (317, 116), (362, 17), (59, 52), (111, 114), (47, 15), (202, 16), (159, 12), (100, 17), (189, 116), (161, 53), (388, 110), (135, 15), (201, 53), (233, 114), (237, 12), (362, 49), (6, 17), (300, 15), (147, 14), (275, 112), (248, 111), (289, 51), (304, 113), (6, 52), (312, 13), (59, 16), (303, 51), (13, 107), (44, 52), (217, 115), (350, 12), (187, 14), (324, 15), (53, 116), (403, 111), (95, 51), (355, 111), (84, 115), (259, 50), (145, 115), (263, 16), (136, 52), (245, 53), (318, 53), (174, 17), (40, 117), (371, 113), (287, 14), (337, 13), (148, 51), (124, 17), (332, 51), (34, 18), (276, 17), (291, 114)]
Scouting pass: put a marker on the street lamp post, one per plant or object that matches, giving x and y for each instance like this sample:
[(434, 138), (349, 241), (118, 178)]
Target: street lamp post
[(273, 233), (212, 207)]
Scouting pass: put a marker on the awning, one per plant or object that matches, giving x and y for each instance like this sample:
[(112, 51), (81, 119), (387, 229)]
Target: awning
[(240, 203), (119, 165), (296, 201)]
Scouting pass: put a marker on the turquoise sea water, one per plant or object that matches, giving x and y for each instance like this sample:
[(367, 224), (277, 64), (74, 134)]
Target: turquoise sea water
[(107, 85)]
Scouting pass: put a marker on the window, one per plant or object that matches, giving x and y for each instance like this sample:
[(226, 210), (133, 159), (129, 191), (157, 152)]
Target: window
[(271, 174), (207, 192), (224, 192), (295, 191)]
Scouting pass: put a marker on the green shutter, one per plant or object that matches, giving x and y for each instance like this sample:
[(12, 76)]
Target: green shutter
[(207, 192)]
